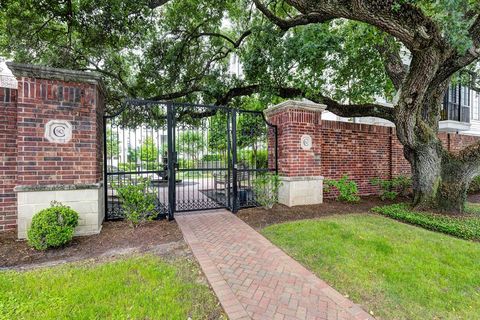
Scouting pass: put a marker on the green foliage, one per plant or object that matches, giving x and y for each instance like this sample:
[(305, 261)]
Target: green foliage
[(165, 51), (390, 189), (394, 270), (265, 188), (257, 158), (148, 151), (113, 144), (461, 227), (217, 132), (138, 201), (127, 167), (347, 188), (190, 144), (213, 157), (132, 155), (127, 288), (52, 227), (474, 185)]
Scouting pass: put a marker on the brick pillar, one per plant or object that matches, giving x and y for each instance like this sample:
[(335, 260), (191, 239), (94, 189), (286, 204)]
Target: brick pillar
[(299, 151), (59, 144), (8, 157)]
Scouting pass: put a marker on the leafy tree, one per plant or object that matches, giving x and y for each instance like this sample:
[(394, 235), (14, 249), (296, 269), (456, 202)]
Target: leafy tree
[(190, 144), (339, 53), (113, 144), (132, 155), (217, 133), (148, 151)]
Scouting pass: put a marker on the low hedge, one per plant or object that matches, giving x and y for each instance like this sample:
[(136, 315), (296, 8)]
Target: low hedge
[(52, 227), (465, 227)]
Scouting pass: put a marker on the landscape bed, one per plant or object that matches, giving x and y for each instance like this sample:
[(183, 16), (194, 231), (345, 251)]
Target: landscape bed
[(465, 226), (394, 270)]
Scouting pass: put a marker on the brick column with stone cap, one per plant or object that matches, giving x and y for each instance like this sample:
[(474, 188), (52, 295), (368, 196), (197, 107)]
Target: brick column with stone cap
[(299, 151), (59, 151)]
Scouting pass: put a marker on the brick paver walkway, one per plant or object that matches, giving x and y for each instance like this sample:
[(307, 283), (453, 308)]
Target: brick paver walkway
[(254, 279)]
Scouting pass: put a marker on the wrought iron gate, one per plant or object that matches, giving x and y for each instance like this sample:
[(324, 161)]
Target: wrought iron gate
[(194, 157)]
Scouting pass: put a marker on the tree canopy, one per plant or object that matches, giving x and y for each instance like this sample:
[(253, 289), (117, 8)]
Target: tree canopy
[(342, 53), (180, 49)]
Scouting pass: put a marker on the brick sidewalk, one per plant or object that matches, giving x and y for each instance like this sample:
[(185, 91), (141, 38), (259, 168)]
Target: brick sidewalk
[(254, 279)]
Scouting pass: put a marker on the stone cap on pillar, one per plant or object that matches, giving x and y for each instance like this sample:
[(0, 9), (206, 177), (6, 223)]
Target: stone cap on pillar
[(49, 73), (306, 105)]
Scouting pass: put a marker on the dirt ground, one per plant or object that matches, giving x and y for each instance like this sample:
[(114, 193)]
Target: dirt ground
[(259, 218), (116, 237)]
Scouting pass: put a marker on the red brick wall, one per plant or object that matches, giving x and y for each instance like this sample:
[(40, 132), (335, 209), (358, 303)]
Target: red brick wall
[(41, 162), (8, 158), (366, 151)]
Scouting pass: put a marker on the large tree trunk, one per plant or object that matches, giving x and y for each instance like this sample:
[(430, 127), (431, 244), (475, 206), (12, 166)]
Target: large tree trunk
[(440, 181)]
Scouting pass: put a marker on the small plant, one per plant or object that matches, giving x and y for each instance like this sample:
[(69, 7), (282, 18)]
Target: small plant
[(391, 189), (138, 202), (52, 227), (265, 188), (347, 189), (474, 185)]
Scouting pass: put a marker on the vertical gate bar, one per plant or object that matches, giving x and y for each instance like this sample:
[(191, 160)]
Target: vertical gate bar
[(171, 159), (229, 164), (105, 169), (234, 161)]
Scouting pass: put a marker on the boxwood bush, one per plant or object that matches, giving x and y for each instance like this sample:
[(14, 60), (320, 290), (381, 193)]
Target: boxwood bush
[(465, 226), (52, 227)]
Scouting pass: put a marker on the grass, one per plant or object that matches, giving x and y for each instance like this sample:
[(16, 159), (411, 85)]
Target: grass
[(396, 270), (465, 226), (134, 288)]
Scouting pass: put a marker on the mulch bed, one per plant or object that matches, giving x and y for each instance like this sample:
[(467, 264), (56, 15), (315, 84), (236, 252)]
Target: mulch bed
[(115, 236), (119, 236), (259, 218)]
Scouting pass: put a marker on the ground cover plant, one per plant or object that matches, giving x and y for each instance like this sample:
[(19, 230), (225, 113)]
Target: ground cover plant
[(347, 188), (143, 287), (466, 226), (395, 270)]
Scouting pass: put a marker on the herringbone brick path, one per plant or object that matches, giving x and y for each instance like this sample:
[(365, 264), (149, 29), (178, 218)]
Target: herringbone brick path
[(254, 279)]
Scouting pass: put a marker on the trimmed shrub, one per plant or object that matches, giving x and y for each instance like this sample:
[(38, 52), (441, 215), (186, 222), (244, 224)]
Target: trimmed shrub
[(52, 227), (390, 189), (466, 227), (265, 188), (347, 189), (474, 185), (138, 201)]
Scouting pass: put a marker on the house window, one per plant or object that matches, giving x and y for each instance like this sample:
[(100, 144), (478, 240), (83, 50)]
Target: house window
[(475, 105)]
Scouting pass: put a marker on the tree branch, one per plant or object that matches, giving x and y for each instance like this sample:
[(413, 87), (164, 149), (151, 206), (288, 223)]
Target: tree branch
[(407, 23), (343, 110), (235, 44), (295, 21), (157, 3), (392, 62), (356, 110)]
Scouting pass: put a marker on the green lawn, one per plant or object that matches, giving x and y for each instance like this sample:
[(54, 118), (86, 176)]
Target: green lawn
[(396, 270), (134, 288)]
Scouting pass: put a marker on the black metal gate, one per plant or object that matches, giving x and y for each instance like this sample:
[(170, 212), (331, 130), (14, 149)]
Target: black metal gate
[(195, 157)]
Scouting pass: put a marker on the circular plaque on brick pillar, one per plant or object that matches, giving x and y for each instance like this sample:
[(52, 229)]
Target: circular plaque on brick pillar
[(306, 142), (58, 131)]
